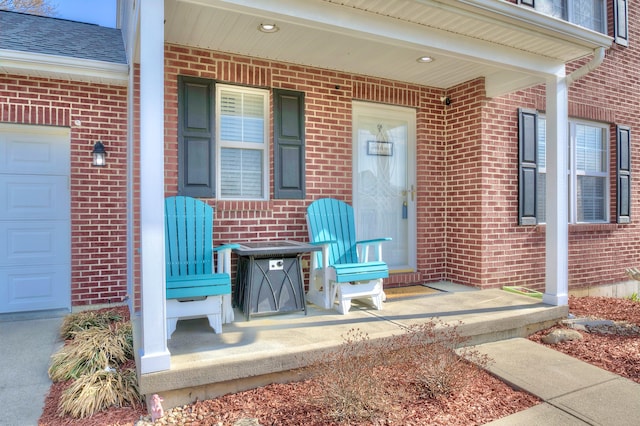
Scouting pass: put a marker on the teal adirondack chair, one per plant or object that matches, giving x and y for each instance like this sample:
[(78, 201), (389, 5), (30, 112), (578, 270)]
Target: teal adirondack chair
[(342, 271), (194, 289)]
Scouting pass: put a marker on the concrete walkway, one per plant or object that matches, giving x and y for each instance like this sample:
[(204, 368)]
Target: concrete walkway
[(25, 350), (574, 392)]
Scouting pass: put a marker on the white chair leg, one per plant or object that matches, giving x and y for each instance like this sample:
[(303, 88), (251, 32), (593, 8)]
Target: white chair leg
[(334, 293), (317, 294), (215, 321), (344, 305), (172, 323), (377, 301), (227, 310)]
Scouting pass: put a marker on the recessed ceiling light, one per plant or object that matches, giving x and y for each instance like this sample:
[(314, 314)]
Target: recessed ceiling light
[(424, 59), (268, 28)]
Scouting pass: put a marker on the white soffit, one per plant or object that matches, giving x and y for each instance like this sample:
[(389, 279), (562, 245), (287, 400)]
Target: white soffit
[(382, 38)]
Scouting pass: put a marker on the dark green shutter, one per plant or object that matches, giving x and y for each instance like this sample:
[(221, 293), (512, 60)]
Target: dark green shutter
[(623, 134), (621, 22), (289, 155), (196, 154), (528, 166)]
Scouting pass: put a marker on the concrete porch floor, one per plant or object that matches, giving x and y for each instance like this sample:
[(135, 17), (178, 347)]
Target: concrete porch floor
[(267, 349)]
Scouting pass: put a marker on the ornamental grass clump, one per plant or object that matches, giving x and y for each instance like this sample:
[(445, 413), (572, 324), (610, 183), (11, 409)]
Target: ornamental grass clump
[(85, 320), (98, 345), (92, 350), (98, 391)]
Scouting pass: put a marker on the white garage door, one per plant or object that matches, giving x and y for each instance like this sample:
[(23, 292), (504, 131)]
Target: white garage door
[(35, 217)]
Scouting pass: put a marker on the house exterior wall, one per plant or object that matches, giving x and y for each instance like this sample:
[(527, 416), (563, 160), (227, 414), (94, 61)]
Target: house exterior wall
[(328, 147), (467, 156), (98, 194)]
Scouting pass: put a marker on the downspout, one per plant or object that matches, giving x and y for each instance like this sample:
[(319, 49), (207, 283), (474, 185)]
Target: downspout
[(598, 57)]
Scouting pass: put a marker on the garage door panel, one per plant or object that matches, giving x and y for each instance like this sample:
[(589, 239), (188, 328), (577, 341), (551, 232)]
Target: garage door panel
[(34, 289), (33, 197), (28, 243), (34, 151), (35, 218)]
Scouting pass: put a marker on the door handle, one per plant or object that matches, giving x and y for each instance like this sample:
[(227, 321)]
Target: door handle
[(412, 191)]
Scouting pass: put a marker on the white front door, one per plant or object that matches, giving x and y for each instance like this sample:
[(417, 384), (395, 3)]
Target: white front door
[(384, 180), (35, 217)]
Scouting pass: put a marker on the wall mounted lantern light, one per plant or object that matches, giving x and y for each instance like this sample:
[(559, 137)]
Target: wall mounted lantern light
[(99, 155)]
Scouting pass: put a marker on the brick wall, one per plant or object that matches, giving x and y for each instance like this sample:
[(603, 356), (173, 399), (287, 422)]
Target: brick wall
[(98, 195), (466, 156), (328, 97), (467, 183), (485, 246)]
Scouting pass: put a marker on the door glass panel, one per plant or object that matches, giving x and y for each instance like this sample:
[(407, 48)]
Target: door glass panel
[(383, 180)]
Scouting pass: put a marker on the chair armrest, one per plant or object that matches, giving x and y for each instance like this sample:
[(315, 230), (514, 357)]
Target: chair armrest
[(324, 256), (374, 241), (224, 257), (321, 243), (365, 244), (226, 247)]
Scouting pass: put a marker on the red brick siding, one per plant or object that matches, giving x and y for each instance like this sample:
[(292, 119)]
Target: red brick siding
[(98, 195), (467, 184), (328, 147)]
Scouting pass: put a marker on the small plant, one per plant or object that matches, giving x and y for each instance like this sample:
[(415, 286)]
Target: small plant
[(435, 354), (98, 391), (356, 380), (634, 297), (351, 389), (79, 321), (92, 350)]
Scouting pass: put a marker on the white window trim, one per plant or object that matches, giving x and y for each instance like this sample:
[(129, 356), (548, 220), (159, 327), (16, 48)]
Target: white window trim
[(569, 11), (264, 147), (573, 173)]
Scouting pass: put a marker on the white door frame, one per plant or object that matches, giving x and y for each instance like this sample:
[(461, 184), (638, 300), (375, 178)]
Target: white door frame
[(399, 113)]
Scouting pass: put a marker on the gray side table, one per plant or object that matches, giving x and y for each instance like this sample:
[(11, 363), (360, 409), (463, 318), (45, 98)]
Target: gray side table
[(269, 279)]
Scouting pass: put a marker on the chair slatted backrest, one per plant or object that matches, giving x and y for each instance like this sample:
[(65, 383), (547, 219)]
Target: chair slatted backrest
[(189, 237), (333, 220)]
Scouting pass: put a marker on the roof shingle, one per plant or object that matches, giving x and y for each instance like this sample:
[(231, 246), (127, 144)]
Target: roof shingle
[(61, 37)]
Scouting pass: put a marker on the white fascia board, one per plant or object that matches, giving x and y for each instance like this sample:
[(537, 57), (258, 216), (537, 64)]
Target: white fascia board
[(61, 66), (364, 25)]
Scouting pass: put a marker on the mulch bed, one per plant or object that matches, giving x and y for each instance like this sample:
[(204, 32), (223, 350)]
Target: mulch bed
[(483, 400)]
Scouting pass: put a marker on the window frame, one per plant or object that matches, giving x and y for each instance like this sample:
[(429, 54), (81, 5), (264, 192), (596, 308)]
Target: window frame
[(222, 144), (569, 12), (572, 170)]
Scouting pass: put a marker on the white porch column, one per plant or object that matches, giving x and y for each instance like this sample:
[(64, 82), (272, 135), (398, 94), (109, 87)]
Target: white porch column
[(155, 356), (557, 234)]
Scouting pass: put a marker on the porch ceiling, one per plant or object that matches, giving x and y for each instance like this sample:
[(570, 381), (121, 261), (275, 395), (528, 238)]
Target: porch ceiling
[(511, 46)]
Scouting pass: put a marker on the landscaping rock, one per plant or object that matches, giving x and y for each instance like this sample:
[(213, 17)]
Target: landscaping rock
[(562, 335), (247, 422)]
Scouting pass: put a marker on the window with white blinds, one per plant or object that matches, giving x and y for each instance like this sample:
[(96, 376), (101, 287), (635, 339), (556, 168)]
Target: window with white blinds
[(241, 127), (586, 13), (587, 171)]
